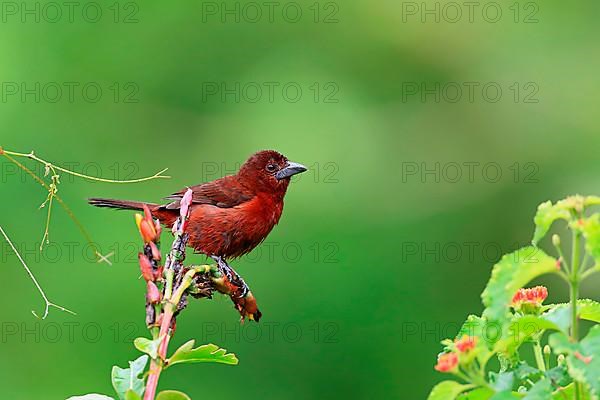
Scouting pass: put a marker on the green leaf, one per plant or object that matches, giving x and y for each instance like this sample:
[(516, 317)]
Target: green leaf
[(546, 214), (506, 395), (172, 395), (205, 353), (131, 395), (128, 378), (511, 273), (560, 314), (503, 381), (524, 372), (542, 390), (591, 201), (583, 358), (477, 327), (559, 375), (477, 394), (568, 392), (447, 390), (589, 310), (591, 232), (521, 329), (91, 396), (148, 346)]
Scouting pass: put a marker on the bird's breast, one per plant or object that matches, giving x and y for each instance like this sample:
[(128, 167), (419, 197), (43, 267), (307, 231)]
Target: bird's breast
[(232, 232)]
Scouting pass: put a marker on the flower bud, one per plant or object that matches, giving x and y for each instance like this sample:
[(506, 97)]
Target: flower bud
[(152, 293), (447, 362), (556, 240), (185, 203), (547, 350), (158, 273), (138, 220), (560, 359), (466, 343), (155, 252), (145, 267), (147, 213), (147, 231), (157, 227)]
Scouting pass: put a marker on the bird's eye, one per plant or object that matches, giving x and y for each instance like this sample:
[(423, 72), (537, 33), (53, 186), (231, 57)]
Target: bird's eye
[(271, 167)]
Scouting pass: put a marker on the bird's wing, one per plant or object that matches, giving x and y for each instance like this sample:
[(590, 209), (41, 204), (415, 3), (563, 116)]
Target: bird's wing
[(225, 192)]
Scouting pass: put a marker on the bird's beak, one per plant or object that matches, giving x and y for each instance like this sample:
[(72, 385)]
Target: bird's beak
[(290, 169)]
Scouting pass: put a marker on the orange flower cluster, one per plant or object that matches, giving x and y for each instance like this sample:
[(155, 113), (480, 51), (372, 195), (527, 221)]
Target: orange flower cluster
[(533, 297), (448, 362), (465, 343), (150, 230)]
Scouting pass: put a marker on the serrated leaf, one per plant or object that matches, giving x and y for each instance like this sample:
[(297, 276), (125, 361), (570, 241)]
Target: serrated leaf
[(91, 396), (560, 314), (583, 358), (511, 273), (172, 395), (148, 346), (124, 379), (447, 390), (205, 353), (542, 390), (591, 232), (546, 214)]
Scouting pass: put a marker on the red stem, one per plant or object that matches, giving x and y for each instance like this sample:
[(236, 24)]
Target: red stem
[(156, 367)]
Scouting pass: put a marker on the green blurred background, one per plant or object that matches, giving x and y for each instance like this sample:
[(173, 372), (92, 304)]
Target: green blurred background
[(371, 265)]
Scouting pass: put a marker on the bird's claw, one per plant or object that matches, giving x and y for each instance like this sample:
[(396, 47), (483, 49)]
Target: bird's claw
[(232, 276)]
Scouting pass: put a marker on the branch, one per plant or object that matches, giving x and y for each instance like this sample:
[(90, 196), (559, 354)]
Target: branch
[(52, 189), (55, 167), (174, 286), (177, 281), (35, 282)]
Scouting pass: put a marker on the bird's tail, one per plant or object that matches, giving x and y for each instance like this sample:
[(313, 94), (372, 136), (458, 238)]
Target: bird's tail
[(120, 204)]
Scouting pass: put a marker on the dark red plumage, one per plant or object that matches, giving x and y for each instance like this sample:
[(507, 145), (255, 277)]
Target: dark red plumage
[(229, 216)]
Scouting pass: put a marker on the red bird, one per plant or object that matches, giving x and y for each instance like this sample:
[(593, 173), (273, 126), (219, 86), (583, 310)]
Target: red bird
[(229, 216)]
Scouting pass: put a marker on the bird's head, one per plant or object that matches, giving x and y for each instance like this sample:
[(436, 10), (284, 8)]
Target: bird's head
[(269, 171)]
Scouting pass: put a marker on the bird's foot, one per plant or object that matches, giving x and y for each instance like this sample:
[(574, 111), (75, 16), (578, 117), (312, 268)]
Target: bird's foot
[(224, 267), (232, 276)]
